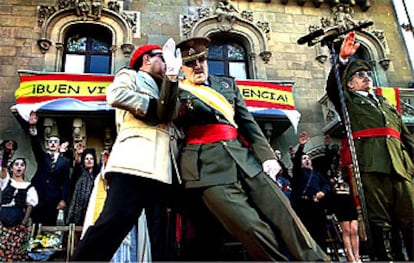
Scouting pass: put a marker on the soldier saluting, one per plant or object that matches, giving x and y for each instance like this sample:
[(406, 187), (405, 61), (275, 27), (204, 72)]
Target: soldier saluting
[(384, 147)]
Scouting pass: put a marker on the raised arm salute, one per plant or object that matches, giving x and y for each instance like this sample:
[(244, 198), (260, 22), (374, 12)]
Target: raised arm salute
[(384, 148)]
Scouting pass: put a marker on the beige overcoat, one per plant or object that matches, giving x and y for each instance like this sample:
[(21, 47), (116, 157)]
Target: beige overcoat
[(143, 144)]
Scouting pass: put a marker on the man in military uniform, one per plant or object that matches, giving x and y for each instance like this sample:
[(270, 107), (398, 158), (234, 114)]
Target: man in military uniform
[(384, 147), (234, 179)]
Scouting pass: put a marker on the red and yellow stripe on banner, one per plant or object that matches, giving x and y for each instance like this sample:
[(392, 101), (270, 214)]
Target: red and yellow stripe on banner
[(392, 95), (45, 87), (265, 94)]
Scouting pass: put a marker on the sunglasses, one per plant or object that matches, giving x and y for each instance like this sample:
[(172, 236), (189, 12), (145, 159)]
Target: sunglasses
[(193, 62), (363, 74), (157, 55)]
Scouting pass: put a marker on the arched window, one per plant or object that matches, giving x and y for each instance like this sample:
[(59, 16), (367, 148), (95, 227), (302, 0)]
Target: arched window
[(87, 49), (228, 58)]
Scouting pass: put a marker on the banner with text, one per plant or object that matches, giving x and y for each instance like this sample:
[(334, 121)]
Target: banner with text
[(266, 94), (68, 92), (46, 87)]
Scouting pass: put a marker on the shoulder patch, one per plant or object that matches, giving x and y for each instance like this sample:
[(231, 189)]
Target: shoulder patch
[(225, 85)]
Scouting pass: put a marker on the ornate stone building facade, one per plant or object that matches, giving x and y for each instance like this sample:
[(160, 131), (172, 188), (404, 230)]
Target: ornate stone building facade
[(260, 39)]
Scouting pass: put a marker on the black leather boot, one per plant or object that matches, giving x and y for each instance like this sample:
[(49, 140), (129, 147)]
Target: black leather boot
[(381, 240)]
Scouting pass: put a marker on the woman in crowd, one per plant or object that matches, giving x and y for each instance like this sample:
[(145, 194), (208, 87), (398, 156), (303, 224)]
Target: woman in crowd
[(136, 246), (86, 170), (345, 209), (18, 199)]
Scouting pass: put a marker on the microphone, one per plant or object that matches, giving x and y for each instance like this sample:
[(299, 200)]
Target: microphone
[(310, 36), (320, 32), (363, 25), (331, 37)]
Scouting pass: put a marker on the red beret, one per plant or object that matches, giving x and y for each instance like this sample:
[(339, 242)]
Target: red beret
[(141, 51)]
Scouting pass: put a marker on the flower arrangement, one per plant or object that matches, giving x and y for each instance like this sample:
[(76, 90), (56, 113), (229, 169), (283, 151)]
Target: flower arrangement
[(43, 245), (46, 240)]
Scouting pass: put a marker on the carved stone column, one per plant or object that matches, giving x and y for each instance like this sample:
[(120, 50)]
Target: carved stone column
[(50, 129), (79, 131)]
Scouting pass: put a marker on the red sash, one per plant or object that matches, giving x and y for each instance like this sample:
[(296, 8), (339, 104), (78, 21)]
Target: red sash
[(210, 133), (377, 132), (345, 153)]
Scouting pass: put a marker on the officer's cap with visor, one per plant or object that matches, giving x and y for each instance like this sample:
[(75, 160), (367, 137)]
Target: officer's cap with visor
[(193, 48), (353, 67)]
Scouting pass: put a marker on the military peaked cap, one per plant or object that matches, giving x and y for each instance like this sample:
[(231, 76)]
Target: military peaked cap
[(353, 67), (193, 48)]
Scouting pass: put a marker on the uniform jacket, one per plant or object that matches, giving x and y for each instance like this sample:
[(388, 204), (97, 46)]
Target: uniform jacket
[(142, 145), (218, 163), (376, 154), (51, 187)]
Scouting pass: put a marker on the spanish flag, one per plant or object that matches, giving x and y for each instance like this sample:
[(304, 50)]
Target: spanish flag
[(266, 94), (46, 87), (391, 94)]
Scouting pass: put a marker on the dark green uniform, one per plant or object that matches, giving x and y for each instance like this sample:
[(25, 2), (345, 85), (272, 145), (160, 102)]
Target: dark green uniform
[(229, 175), (385, 162)]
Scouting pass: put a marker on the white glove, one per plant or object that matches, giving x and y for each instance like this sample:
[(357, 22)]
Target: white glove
[(272, 168), (172, 58)]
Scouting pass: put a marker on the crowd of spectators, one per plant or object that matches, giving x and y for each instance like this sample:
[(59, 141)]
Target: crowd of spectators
[(314, 192), (56, 186)]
